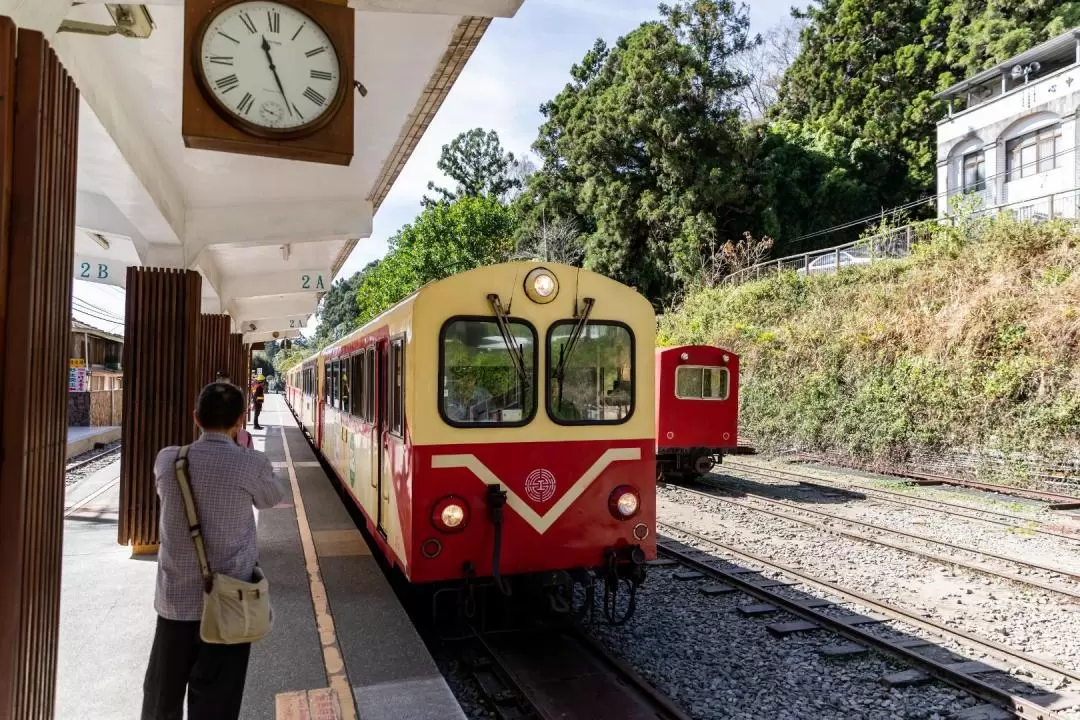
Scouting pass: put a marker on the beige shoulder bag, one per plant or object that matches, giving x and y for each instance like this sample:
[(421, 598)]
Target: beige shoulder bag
[(234, 611)]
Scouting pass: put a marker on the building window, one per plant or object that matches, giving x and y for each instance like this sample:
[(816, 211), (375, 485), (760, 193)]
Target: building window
[(975, 172), (1033, 153)]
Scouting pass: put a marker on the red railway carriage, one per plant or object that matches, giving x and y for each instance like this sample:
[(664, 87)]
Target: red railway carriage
[(497, 425), (697, 408)]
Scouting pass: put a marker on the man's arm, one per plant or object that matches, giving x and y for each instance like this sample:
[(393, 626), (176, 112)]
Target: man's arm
[(266, 491)]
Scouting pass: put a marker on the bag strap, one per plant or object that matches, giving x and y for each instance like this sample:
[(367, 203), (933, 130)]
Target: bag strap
[(193, 516)]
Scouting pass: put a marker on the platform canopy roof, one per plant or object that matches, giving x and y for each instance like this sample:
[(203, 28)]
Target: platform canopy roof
[(267, 235)]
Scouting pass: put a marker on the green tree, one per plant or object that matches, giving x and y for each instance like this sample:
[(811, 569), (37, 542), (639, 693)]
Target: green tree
[(338, 313), (477, 162), (644, 148), (868, 71), (445, 239)]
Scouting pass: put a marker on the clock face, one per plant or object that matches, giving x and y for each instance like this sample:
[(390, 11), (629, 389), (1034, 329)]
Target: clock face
[(270, 65)]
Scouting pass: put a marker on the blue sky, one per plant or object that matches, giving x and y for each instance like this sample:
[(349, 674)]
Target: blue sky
[(521, 63)]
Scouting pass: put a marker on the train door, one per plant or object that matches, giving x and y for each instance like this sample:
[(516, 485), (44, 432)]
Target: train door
[(320, 399), (382, 435)]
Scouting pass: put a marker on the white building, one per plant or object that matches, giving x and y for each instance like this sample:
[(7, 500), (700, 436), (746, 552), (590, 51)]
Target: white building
[(1012, 145)]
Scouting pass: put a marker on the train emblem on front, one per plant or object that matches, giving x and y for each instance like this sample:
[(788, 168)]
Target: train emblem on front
[(540, 485)]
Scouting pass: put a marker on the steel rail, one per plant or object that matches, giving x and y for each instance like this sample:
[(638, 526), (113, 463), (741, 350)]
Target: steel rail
[(71, 510), (1017, 521), (517, 691), (1053, 498), (84, 463), (1075, 575), (1020, 706), (903, 548)]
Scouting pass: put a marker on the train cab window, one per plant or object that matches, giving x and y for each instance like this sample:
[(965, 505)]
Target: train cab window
[(397, 388), (484, 381), (591, 368), (697, 382)]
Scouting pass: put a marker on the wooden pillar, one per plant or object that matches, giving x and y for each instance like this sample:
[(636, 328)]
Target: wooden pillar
[(39, 123), (213, 347), (161, 381)]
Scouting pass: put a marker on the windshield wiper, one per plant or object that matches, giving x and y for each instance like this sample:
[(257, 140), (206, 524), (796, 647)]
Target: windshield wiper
[(568, 347), (516, 356)]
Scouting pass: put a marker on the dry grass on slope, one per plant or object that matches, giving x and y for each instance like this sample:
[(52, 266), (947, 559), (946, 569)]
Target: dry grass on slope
[(971, 343)]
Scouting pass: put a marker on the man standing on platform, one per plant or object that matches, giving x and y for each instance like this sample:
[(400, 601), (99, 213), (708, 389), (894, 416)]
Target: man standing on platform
[(258, 395), (226, 481)]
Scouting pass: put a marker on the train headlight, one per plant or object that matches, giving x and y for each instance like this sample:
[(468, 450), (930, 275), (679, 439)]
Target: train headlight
[(453, 515), (450, 514), (541, 285), (624, 502)]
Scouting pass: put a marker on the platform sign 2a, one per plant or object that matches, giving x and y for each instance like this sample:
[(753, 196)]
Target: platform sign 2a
[(77, 380)]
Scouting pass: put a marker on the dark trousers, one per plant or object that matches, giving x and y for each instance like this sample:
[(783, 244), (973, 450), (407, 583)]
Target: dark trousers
[(258, 409), (212, 675)]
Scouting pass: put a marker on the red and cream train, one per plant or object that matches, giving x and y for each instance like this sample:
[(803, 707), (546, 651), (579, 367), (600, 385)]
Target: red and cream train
[(500, 426)]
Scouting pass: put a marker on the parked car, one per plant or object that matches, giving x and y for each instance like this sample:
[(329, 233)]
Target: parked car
[(848, 257)]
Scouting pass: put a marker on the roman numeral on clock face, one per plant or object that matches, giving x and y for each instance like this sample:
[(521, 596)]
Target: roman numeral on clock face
[(227, 83), (273, 18), (316, 51), (314, 97), (321, 75), (246, 103), (248, 22)]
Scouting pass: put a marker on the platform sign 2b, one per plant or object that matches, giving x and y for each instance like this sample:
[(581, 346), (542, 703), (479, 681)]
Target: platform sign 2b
[(77, 380), (100, 270)]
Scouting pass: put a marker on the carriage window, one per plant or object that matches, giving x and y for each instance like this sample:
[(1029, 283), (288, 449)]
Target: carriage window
[(346, 389), (371, 389), (694, 382), (397, 390), (591, 381), (356, 374), (481, 384)]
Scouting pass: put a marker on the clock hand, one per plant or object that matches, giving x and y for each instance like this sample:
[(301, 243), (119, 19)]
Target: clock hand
[(273, 69)]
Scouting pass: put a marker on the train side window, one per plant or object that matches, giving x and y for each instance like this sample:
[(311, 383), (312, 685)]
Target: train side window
[(591, 381), (397, 389), (481, 383), (699, 382), (346, 388), (356, 375), (372, 390)]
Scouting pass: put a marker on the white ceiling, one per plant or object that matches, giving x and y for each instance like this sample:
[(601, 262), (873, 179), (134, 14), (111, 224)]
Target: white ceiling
[(228, 216)]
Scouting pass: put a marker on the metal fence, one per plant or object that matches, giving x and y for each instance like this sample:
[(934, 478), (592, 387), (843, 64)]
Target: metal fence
[(898, 242)]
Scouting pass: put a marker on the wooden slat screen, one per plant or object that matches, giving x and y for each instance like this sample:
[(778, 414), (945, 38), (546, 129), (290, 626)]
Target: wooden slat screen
[(39, 121), (213, 347), (161, 381), (237, 361)]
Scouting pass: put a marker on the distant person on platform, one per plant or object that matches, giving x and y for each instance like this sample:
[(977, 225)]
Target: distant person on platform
[(258, 395), (226, 480), (243, 437)]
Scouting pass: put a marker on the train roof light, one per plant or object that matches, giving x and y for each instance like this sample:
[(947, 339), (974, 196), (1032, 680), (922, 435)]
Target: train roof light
[(541, 285)]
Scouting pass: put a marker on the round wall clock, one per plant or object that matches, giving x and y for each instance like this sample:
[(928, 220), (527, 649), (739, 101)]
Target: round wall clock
[(269, 68)]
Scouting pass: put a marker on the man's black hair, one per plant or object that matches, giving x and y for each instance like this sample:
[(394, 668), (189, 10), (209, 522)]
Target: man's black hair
[(219, 406)]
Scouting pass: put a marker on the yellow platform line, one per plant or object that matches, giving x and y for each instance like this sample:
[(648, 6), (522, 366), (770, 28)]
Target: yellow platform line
[(332, 659)]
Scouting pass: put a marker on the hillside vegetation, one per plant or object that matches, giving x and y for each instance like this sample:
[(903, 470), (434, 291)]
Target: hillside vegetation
[(973, 344)]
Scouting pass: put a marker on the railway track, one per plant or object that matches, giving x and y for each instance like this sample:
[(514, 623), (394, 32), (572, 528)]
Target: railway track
[(1057, 501), (944, 507), (990, 678), (83, 463), (791, 512), (563, 674)]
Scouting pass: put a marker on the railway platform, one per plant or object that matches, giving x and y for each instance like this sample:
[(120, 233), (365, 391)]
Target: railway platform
[(83, 439), (342, 646)]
